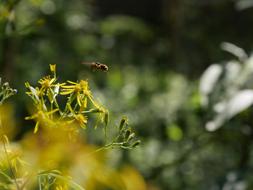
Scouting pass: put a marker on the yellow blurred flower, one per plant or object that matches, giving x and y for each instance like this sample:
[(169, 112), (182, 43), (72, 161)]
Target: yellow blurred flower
[(42, 117), (100, 176), (132, 179), (60, 187), (7, 121)]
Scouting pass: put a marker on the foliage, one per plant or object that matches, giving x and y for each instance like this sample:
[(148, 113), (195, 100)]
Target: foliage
[(196, 131), (5, 91)]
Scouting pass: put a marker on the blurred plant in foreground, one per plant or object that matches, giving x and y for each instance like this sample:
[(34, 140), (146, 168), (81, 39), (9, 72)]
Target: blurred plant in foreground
[(8, 160), (47, 160)]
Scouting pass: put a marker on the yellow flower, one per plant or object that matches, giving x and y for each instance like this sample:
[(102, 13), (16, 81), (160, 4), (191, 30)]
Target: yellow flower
[(81, 90), (42, 117), (78, 117), (49, 87), (103, 115), (53, 69), (81, 120), (46, 83), (73, 87)]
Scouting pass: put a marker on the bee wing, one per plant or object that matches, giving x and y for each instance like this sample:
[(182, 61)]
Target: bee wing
[(87, 63)]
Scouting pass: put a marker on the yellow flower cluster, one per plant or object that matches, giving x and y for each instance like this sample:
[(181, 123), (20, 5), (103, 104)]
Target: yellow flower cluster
[(79, 102)]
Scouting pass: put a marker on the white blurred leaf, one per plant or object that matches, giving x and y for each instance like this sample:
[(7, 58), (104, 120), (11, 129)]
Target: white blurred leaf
[(249, 63), (229, 108), (241, 101), (216, 123), (234, 50), (233, 69), (244, 4), (208, 81), (34, 92)]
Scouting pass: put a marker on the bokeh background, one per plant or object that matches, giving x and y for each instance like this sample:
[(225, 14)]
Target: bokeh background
[(156, 52)]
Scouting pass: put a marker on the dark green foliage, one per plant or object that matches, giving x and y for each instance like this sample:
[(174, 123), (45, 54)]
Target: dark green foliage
[(153, 78)]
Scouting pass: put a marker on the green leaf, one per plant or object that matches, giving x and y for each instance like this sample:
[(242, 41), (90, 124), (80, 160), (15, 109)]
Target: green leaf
[(174, 132)]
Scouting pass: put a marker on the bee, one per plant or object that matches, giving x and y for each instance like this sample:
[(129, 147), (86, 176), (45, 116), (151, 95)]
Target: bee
[(96, 66)]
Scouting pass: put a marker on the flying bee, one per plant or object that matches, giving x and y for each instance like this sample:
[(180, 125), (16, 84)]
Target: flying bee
[(96, 66)]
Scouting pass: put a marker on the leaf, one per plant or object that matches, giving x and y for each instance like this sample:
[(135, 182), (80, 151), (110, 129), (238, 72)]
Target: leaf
[(229, 108), (6, 177), (240, 102), (232, 69), (216, 123), (234, 50), (243, 4), (208, 81), (174, 132), (36, 128)]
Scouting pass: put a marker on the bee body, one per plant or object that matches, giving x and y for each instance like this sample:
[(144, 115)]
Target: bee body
[(96, 66)]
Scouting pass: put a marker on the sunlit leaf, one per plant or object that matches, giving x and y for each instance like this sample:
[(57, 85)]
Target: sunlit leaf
[(208, 81), (174, 132), (243, 4), (229, 108), (235, 50)]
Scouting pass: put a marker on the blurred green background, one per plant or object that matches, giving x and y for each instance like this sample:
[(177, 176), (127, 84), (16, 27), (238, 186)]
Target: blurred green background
[(156, 52)]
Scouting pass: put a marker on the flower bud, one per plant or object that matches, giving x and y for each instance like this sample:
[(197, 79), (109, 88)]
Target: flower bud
[(127, 134), (122, 122), (131, 136), (136, 143)]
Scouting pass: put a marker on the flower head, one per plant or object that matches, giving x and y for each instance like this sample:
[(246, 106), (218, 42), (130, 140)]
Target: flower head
[(80, 90), (73, 87), (42, 117), (81, 120), (46, 83)]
